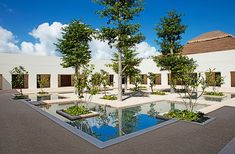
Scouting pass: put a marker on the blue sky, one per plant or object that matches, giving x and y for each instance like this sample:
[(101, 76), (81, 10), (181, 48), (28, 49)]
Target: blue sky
[(20, 17)]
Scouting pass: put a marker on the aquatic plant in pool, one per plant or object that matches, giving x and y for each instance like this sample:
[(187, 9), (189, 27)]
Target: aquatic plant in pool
[(187, 115), (77, 110), (109, 97)]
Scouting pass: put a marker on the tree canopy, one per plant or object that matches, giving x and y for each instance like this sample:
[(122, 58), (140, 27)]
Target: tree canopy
[(74, 44), (169, 32)]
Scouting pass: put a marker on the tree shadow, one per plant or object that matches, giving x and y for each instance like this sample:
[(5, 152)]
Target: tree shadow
[(135, 94)]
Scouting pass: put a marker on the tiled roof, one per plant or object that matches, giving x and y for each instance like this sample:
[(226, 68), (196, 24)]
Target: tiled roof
[(210, 42)]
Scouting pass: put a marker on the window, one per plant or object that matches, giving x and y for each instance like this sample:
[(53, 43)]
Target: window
[(158, 79), (111, 79), (144, 78), (0, 81), (215, 76), (45, 80), (25, 82), (65, 80), (232, 79), (177, 82)]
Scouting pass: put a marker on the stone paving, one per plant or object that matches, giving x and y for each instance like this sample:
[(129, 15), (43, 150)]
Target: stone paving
[(23, 130)]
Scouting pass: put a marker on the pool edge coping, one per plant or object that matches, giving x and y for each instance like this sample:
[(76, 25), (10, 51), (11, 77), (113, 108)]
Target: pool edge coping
[(93, 140)]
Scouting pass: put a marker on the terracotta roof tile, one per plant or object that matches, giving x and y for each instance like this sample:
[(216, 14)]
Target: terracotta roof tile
[(210, 42)]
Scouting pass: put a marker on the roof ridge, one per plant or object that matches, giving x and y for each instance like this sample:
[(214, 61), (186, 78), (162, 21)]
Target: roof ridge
[(210, 36)]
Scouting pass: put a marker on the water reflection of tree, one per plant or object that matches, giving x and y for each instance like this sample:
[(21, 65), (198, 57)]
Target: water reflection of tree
[(129, 119), (84, 126), (152, 111), (103, 119)]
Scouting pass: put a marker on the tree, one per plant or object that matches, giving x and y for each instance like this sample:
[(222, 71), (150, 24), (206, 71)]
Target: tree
[(19, 79), (75, 48), (120, 32), (213, 80), (105, 80), (130, 62), (96, 79), (152, 78), (136, 79), (169, 32), (191, 81)]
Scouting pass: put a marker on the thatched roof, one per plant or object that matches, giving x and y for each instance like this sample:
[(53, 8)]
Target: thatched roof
[(210, 42)]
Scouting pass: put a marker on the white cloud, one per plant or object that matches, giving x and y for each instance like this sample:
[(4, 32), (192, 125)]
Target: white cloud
[(145, 50), (46, 35), (101, 50), (7, 41)]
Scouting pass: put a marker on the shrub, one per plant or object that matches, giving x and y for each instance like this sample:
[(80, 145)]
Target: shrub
[(158, 93), (186, 115), (142, 87), (20, 97), (77, 110), (212, 93), (109, 97), (42, 92)]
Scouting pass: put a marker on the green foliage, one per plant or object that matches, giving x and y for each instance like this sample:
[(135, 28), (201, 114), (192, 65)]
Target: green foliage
[(82, 81), (186, 115), (96, 79), (130, 62), (105, 80), (76, 53), (136, 79), (20, 97), (169, 32), (158, 93), (212, 93), (74, 44), (175, 63), (109, 97), (152, 78), (42, 93), (213, 80), (120, 31), (19, 80), (42, 81), (77, 110)]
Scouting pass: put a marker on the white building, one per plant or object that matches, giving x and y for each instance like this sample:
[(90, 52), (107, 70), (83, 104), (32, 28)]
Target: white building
[(211, 50)]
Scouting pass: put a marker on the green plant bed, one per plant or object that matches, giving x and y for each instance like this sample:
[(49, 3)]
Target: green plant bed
[(134, 89), (43, 93), (158, 93), (212, 93), (142, 87), (77, 110), (109, 97), (20, 97), (187, 115)]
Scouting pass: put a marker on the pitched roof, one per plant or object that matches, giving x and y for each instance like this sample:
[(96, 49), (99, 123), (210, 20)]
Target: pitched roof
[(210, 42)]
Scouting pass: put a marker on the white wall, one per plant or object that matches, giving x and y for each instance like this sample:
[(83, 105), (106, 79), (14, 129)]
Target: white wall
[(38, 65), (223, 61)]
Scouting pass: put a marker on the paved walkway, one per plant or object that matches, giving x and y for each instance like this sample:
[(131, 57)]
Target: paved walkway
[(23, 130)]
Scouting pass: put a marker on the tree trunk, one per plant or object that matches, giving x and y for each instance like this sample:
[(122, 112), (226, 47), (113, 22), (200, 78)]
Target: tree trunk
[(119, 76), (21, 93), (77, 73), (125, 83), (151, 88)]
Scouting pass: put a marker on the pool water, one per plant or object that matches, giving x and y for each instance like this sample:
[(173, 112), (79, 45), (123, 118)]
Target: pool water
[(113, 122), (34, 97)]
